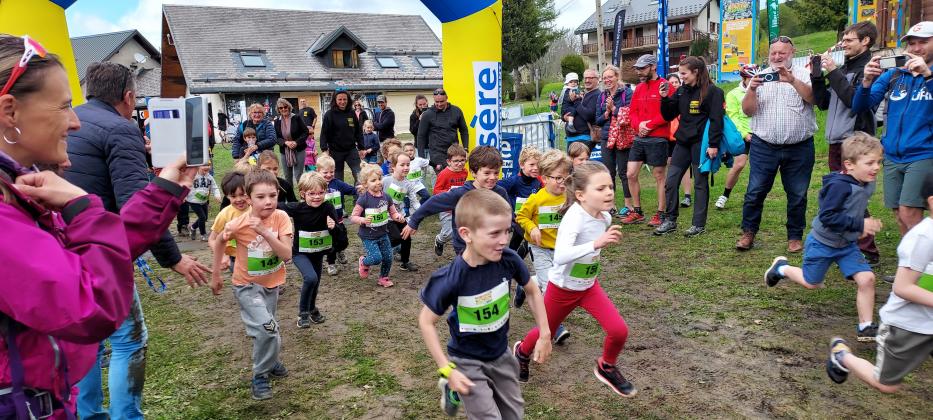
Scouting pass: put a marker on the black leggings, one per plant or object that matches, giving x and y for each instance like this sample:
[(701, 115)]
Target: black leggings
[(617, 163), (404, 245)]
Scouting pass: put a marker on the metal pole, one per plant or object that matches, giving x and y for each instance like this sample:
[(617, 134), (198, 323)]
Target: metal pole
[(600, 47)]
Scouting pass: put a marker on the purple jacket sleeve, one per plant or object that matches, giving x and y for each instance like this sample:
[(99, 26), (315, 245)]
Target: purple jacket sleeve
[(88, 282)]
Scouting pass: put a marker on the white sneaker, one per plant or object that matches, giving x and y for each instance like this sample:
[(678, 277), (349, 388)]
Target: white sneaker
[(721, 202), (331, 269)]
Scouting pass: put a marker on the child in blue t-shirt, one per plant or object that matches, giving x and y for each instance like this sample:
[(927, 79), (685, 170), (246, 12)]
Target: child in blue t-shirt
[(480, 371), (838, 226)]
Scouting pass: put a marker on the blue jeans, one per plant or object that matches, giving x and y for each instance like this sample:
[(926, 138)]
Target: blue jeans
[(127, 372), (310, 267), (795, 164)]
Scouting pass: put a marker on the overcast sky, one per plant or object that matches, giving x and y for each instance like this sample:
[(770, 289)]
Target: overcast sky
[(87, 17)]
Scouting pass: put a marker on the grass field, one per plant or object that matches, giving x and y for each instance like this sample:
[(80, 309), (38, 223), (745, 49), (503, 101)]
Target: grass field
[(708, 339)]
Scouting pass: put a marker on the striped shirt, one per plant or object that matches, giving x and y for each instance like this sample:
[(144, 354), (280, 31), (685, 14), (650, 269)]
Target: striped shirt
[(783, 117)]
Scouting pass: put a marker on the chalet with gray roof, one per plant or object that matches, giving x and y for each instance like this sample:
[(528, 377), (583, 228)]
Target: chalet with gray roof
[(261, 55), (128, 48), (688, 21)]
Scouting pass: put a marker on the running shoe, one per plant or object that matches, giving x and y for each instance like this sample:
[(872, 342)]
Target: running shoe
[(408, 266), (450, 400), (561, 335), (331, 269), (834, 368), (519, 299), (317, 317), (656, 220), (364, 269), (523, 362), (721, 202), (385, 282), (304, 320), (694, 231), (632, 217), (341, 257), (438, 248), (772, 275), (667, 227), (260, 388), (686, 202), (279, 370), (610, 375), (867, 334)]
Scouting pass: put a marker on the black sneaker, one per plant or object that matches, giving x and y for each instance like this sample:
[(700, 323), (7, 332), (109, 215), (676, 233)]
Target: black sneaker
[(304, 320), (867, 334), (561, 335), (610, 375), (279, 370), (341, 257), (438, 248), (450, 400), (408, 266), (834, 368), (519, 299), (686, 201), (260, 388), (772, 276), (667, 227), (694, 231), (316, 317), (183, 231), (523, 362), (889, 279), (872, 260)]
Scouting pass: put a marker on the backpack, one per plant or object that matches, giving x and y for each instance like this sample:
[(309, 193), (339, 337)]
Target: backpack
[(732, 144)]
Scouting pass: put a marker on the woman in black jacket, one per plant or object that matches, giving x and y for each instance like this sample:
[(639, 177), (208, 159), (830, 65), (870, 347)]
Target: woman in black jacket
[(697, 102), (291, 134), (342, 135), (421, 105)]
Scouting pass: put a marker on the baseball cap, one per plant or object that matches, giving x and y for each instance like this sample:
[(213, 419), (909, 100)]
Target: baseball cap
[(921, 30), (381, 98), (645, 61), (571, 77)]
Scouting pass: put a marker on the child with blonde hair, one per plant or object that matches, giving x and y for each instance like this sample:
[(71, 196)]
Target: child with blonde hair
[(337, 191), (373, 212)]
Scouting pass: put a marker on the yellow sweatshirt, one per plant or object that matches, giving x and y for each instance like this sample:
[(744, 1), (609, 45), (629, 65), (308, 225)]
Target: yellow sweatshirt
[(540, 211)]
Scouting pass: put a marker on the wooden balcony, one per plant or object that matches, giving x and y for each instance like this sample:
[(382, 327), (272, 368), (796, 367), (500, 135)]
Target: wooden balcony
[(643, 42)]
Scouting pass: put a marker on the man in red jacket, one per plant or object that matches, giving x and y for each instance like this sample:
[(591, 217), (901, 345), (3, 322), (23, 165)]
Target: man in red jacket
[(651, 134)]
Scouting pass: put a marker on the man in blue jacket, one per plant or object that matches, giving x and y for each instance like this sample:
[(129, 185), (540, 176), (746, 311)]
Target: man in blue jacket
[(579, 110), (908, 138), (108, 158)]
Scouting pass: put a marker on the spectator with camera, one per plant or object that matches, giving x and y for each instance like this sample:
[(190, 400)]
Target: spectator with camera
[(834, 92), (908, 136), (780, 103)]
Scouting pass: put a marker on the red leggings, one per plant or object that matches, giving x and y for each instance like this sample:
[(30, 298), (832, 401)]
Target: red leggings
[(560, 302)]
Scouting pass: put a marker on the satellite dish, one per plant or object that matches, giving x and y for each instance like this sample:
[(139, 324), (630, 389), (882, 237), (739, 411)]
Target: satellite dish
[(139, 58)]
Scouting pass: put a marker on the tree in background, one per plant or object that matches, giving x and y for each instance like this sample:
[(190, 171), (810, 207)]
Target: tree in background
[(821, 15), (572, 63), (527, 31)]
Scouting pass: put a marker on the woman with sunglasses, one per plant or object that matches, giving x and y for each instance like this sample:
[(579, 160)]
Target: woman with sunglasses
[(291, 135), (66, 264), (265, 133)]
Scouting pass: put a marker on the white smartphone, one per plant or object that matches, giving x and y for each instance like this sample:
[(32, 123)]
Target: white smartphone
[(178, 126)]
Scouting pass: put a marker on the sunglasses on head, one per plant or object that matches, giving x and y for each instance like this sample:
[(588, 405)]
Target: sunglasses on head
[(440, 92), (784, 39), (32, 47)]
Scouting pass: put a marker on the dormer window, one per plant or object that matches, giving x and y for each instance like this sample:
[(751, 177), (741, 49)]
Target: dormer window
[(427, 62), (387, 62), (252, 59), (345, 59)]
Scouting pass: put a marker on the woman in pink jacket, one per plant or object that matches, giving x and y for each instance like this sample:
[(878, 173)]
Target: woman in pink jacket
[(66, 264)]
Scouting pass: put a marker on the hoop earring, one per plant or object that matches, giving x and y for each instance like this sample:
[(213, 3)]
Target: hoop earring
[(8, 140)]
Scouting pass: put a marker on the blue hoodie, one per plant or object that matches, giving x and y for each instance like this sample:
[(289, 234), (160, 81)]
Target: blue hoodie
[(519, 186), (448, 202), (841, 218), (909, 133)]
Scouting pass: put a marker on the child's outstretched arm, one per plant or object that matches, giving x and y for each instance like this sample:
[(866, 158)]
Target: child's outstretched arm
[(536, 303), (426, 320), (436, 204), (217, 244)]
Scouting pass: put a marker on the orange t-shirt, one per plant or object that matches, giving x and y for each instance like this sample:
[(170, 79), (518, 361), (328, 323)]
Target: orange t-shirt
[(255, 260)]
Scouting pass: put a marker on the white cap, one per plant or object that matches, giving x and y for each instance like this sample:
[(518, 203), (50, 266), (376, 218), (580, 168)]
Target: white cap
[(921, 30), (571, 77)]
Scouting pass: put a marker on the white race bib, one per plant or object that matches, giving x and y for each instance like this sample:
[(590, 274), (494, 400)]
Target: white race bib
[(311, 242), (484, 312), (261, 262), (380, 216)]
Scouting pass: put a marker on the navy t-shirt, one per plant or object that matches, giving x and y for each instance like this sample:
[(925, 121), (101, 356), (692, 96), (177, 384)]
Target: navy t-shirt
[(479, 296), (378, 208)]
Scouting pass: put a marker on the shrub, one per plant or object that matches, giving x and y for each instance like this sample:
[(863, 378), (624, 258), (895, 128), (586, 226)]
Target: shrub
[(572, 63)]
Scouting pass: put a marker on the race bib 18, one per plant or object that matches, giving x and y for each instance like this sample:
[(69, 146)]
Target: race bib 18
[(310, 242), (584, 272), (484, 312)]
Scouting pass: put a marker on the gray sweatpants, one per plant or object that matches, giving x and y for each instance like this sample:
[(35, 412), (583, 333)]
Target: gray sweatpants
[(257, 308), (543, 261), (446, 228), (496, 394)]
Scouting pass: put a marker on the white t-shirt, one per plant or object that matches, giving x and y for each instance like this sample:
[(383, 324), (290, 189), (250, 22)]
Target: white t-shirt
[(576, 266), (417, 168), (202, 188), (916, 253)]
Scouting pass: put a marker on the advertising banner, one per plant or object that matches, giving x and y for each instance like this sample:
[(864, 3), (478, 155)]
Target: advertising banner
[(663, 50), (617, 38), (773, 30), (737, 36)]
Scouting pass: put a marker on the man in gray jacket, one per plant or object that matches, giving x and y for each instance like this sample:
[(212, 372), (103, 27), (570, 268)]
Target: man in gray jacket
[(836, 98)]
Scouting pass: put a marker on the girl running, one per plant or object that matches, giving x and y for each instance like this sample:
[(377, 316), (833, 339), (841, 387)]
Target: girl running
[(584, 229), (372, 212), (398, 188)]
